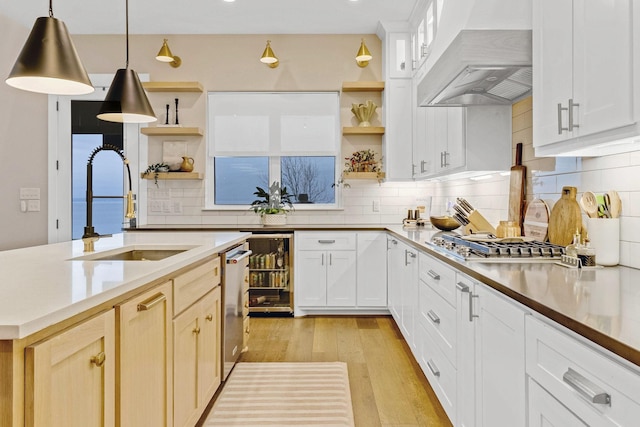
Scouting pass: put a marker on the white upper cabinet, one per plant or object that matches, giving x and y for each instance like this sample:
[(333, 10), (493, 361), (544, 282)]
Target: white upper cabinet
[(583, 74)]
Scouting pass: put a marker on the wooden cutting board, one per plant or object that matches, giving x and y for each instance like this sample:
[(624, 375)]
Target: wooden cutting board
[(565, 218), (536, 220), (516, 189)]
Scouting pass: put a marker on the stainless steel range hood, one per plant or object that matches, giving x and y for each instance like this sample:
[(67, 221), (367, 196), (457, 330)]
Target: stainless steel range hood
[(480, 67)]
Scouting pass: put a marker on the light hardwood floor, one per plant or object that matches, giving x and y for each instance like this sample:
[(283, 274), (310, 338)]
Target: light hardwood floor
[(387, 386)]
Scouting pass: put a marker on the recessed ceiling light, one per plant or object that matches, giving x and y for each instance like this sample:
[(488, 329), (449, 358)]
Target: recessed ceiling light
[(229, 1)]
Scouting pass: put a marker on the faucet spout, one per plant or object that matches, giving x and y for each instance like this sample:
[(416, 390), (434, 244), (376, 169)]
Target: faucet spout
[(90, 235)]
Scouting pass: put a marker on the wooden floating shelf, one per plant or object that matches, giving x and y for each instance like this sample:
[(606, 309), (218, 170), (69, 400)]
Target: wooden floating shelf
[(371, 130), (172, 175), (362, 86), (172, 86), (171, 131), (363, 175)]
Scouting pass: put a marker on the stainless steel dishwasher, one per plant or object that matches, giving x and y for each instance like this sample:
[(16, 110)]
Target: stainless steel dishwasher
[(236, 265)]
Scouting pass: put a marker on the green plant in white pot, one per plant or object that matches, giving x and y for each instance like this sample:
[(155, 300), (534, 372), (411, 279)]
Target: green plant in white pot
[(272, 205)]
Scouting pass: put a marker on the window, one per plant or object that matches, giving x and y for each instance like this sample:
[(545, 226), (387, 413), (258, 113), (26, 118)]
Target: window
[(258, 138)]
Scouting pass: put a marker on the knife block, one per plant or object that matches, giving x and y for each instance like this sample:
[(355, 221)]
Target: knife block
[(478, 224)]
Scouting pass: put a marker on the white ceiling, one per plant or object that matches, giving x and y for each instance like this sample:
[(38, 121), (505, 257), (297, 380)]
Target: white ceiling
[(214, 16)]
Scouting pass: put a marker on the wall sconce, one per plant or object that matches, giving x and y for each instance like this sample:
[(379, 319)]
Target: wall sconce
[(364, 56), (165, 55), (48, 62), (268, 57)]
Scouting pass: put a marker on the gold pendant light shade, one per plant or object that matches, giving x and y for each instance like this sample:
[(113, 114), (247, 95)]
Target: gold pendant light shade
[(268, 57), (364, 56), (49, 63), (126, 101), (165, 55)]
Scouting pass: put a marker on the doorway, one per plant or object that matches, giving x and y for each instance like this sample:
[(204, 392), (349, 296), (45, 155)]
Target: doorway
[(88, 133)]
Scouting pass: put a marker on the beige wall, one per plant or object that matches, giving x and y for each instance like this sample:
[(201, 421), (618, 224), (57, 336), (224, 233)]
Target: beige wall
[(23, 149)]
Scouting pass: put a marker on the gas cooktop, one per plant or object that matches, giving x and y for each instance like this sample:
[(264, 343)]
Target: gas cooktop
[(487, 249)]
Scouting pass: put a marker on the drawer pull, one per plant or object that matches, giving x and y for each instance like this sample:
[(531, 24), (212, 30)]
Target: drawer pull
[(152, 302), (462, 287), (586, 388), (433, 275), (196, 330), (209, 317), (98, 359), (326, 241), (434, 317), (433, 368)]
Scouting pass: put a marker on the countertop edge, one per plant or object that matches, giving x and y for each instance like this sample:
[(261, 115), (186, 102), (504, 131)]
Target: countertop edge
[(616, 347)]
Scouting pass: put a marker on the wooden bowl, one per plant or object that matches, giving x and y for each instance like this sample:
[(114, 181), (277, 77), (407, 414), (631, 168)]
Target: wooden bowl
[(444, 223)]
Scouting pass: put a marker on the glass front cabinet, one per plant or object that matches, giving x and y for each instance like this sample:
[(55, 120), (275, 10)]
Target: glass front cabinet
[(271, 273)]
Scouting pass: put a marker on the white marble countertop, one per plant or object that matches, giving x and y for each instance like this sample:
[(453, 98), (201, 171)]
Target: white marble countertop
[(43, 285), (602, 304)]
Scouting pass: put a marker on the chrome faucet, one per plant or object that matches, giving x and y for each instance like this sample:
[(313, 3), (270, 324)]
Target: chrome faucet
[(90, 235)]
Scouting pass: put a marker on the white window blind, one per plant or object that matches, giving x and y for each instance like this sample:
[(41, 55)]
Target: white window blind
[(273, 124)]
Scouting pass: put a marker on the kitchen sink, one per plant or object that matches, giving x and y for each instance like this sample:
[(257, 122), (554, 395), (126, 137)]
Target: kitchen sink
[(134, 254)]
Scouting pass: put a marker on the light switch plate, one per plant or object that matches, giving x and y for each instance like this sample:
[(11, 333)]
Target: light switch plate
[(33, 205), (376, 205), (29, 194)]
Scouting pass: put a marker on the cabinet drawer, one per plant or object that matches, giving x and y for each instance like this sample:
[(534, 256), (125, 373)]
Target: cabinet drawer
[(564, 366), (325, 241), (190, 286), (440, 373), (439, 276), (439, 319)]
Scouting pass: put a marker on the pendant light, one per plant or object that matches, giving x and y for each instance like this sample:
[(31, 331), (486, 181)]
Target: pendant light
[(48, 62), (126, 101), (364, 56)]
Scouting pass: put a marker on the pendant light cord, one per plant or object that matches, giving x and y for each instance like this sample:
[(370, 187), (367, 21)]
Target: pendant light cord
[(127, 30), (50, 8)]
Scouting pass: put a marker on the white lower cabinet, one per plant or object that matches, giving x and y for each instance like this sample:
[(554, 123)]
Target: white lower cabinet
[(345, 271), (546, 411), (371, 274), (596, 389), (500, 397), (470, 345), (394, 267)]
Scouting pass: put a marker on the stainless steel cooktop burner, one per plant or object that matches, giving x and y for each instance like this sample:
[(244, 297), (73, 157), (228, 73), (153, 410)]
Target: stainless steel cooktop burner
[(496, 250)]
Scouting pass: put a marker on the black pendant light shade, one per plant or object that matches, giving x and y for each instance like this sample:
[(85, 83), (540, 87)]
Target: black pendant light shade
[(126, 101), (49, 63)]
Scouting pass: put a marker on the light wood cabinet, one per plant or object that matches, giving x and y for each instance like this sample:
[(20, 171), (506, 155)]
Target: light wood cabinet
[(196, 358), (145, 349), (577, 45), (70, 377)]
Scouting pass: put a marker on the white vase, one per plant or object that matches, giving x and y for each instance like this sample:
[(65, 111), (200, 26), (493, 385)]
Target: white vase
[(274, 219)]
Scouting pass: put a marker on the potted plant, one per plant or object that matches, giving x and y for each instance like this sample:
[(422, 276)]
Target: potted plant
[(272, 205), (156, 169)]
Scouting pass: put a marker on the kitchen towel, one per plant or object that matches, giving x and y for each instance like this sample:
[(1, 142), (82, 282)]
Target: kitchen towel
[(284, 394)]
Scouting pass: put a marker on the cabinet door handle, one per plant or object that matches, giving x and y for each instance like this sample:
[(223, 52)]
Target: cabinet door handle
[(434, 317), (209, 317), (433, 368), (151, 302), (196, 330), (422, 168), (586, 388), (98, 359), (407, 255), (560, 110), (326, 241), (445, 162), (572, 105), (441, 160), (433, 275), (322, 263), (330, 259), (413, 169), (462, 287)]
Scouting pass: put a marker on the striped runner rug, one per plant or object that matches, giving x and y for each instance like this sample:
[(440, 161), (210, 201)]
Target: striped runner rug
[(284, 394)]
